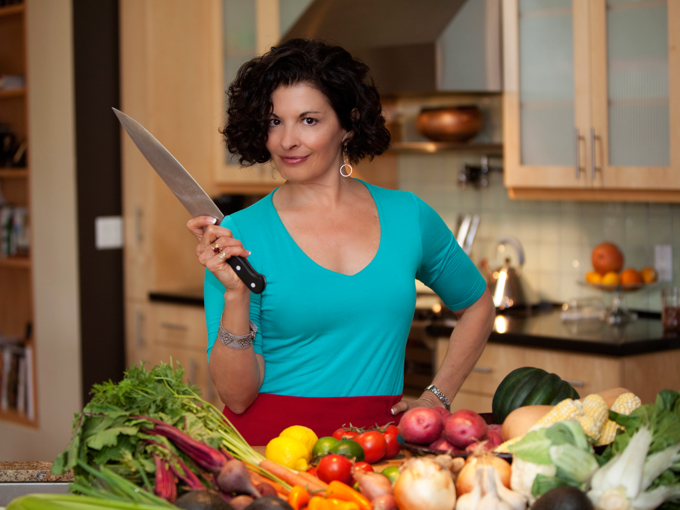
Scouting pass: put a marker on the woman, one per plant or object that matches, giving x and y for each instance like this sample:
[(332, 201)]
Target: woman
[(324, 344)]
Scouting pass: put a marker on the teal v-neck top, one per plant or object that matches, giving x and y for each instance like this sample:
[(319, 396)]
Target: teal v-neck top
[(327, 334)]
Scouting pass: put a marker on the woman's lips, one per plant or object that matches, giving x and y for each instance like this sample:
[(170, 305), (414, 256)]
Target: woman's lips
[(293, 160)]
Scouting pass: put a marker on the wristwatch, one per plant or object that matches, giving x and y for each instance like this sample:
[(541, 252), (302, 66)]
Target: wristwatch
[(440, 396)]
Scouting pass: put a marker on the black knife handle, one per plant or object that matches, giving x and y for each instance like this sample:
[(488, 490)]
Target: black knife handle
[(255, 281)]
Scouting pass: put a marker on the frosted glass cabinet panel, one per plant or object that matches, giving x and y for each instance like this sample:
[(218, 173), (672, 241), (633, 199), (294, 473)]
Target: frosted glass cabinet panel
[(592, 99), (637, 83), (546, 77)]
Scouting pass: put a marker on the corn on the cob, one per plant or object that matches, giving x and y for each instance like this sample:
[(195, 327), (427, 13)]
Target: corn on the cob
[(624, 404), (565, 410), (595, 414)]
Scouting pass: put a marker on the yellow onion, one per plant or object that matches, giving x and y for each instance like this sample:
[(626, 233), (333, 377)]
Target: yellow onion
[(424, 484)]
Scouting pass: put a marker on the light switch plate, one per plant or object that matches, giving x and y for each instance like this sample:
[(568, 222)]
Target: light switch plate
[(108, 232), (663, 262)]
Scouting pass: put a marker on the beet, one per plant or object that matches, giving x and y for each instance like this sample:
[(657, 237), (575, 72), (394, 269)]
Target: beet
[(269, 503), (204, 499)]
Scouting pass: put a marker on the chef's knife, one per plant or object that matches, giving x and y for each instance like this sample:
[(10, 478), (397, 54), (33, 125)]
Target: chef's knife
[(189, 192)]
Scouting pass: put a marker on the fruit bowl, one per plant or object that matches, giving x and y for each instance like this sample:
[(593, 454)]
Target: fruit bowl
[(617, 313)]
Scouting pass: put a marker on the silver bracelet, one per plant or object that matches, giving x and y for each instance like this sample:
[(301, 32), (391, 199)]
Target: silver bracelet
[(440, 396), (238, 342)]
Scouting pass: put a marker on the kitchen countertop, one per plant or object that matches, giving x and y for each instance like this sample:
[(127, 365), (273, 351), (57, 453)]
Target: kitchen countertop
[(545, 328), (27, 472), (542, 327)]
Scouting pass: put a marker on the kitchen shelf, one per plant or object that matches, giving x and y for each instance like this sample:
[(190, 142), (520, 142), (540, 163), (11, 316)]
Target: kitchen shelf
[(11, 93), (10, 10), (17, 262), (13, 173), (433, 147)]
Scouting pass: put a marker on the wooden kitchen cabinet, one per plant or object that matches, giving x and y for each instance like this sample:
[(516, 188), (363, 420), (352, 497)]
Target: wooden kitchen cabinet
[(591, 106), (645, 374)]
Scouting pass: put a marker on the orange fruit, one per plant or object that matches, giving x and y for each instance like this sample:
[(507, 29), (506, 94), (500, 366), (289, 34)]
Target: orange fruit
[(607, 257), (611, 278), (631, 277), (593, 277), (649, 274)]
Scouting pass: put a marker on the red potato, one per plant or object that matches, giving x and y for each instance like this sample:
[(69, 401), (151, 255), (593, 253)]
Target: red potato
[(464, 427), (421, 425), (442, 445)]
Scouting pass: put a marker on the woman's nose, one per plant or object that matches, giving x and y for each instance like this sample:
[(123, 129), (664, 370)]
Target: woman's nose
[(290, 139)]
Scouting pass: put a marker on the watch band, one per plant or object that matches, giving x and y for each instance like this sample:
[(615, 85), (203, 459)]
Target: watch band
[(238, 342), (440, 396)]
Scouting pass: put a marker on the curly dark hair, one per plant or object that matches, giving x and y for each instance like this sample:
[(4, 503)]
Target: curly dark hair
[(344, 80)]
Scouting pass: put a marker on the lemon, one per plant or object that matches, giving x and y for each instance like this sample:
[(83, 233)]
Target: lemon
[(611, 278), (303, 434), (288, 452)]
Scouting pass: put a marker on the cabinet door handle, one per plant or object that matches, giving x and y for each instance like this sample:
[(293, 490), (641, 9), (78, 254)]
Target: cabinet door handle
[(578, 154), (176, 327), (139, 236), (482, 370), (139, 329), (593, 168), (579, 384)]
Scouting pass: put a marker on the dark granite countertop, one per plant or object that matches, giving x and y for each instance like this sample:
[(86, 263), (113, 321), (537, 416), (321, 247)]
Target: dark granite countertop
[(545, 328), (542, 327)]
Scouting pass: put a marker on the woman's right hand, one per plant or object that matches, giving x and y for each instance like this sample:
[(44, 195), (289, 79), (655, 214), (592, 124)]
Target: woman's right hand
[(216, 244)]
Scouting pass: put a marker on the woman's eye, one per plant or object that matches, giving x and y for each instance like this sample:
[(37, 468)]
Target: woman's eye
[(274, 122), (309, 121)]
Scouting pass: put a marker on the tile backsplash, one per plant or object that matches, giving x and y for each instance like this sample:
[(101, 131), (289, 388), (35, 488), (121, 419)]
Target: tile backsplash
[(557, 236)]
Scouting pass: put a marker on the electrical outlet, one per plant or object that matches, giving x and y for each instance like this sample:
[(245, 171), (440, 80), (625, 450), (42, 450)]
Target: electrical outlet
[(663, 262), (108, 232)]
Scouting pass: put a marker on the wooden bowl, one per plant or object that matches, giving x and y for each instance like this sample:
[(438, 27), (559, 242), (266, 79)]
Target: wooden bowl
[(450, 124)]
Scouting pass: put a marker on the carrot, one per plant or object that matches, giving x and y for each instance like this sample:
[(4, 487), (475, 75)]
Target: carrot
[(313, 480), (287, 475), (257, 478)]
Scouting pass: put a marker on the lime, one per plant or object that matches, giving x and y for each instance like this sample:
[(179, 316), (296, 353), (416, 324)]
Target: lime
[(323, 446), (391, 472), (348, 448)]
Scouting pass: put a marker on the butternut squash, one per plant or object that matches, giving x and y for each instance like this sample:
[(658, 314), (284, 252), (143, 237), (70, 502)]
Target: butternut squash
[(522, 419)]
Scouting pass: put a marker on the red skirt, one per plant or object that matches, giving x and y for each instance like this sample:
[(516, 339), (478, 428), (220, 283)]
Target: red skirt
[(270, 414)]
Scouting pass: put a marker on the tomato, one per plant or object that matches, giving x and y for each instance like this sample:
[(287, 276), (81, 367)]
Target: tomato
[(374, 445), (364, 467), (393, 447), (343, 433), (312, 471), (335, 467)]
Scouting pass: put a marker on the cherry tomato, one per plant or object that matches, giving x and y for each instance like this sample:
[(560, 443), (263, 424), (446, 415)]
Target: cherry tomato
[(393, 447), (312, 471), (374, 445), (364, 467), (342, 433), (335, 467)]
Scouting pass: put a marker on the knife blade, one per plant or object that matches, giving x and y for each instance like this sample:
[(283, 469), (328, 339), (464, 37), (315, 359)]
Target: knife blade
[(187, 190)]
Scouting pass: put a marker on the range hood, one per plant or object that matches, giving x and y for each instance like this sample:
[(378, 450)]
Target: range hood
[(413, 46)]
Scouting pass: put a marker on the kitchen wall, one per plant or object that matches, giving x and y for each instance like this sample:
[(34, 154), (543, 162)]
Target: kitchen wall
[(557, 236)]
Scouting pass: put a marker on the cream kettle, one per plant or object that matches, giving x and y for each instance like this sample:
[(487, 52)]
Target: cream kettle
[(508, 288)]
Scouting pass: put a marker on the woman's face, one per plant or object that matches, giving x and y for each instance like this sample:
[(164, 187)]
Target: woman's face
[(304, 136)]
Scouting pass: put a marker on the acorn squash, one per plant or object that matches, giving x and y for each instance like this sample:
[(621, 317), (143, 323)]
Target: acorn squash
[(529, 386)]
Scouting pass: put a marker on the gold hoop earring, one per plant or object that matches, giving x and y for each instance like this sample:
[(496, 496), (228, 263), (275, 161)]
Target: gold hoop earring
[(345, 158), (273, 169)]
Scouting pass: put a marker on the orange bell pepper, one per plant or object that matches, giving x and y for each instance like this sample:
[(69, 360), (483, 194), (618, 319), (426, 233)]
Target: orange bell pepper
[(344, 492), (298, 497), (338, 504), (318, 503)]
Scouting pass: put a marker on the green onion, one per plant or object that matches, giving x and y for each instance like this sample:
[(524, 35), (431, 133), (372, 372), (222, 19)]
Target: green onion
[(73, 502)]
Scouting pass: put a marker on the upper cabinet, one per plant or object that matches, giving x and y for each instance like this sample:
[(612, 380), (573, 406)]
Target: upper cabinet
[(591, 105)]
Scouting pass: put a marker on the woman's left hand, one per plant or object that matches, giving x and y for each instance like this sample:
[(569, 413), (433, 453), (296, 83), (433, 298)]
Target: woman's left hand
[(427, 399)]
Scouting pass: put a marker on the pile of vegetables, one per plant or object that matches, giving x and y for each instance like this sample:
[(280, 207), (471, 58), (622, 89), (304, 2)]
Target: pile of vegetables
[(154, 430)]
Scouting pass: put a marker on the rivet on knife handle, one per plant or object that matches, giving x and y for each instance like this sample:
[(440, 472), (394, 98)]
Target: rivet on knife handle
[(253, 280)]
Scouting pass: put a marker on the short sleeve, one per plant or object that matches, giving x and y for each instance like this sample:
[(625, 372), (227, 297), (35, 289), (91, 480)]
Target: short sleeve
[(445, 267), (213, 300)]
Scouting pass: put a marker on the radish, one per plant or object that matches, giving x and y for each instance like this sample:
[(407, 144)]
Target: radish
[(421, 425), (464, 427)]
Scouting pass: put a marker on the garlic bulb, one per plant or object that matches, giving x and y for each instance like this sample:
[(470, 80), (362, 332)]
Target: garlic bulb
[(490, 500), (516, 500), (470, 500)]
